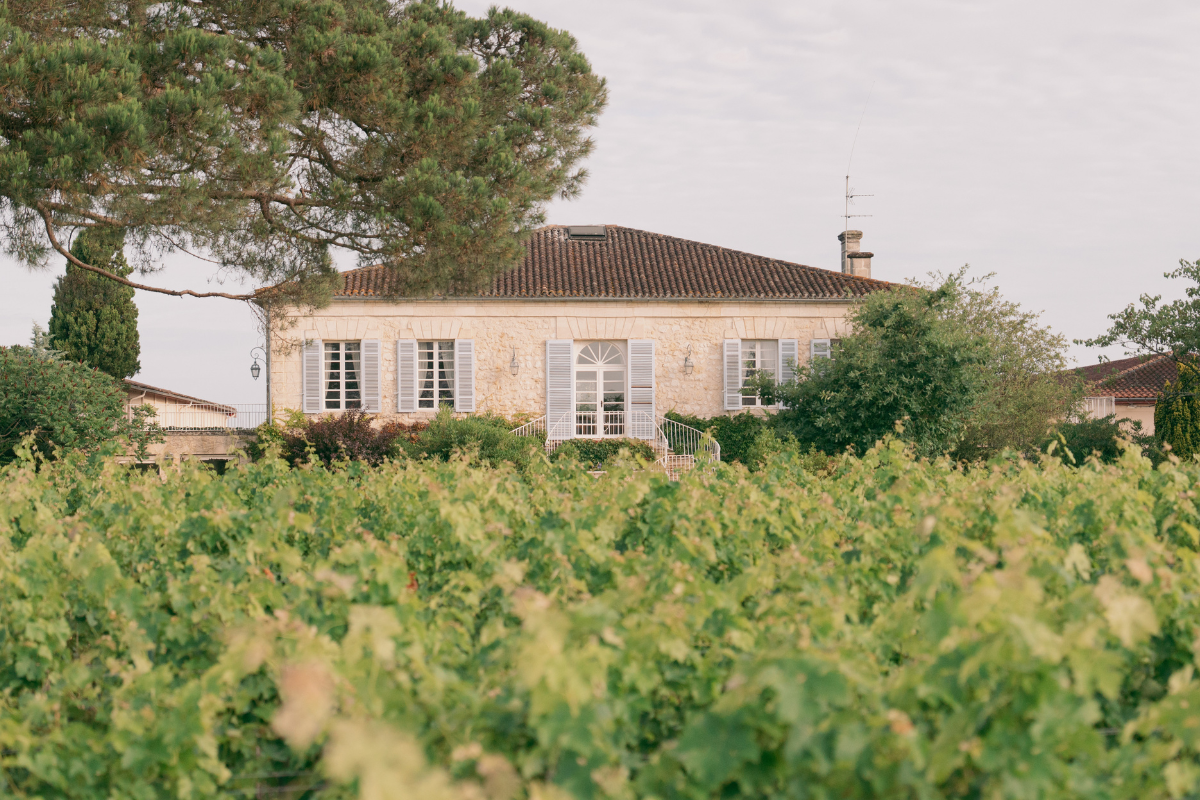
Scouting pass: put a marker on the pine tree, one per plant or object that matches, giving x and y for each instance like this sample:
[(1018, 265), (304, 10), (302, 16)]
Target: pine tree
[(264, 135), (94, 320), (1177, 414)]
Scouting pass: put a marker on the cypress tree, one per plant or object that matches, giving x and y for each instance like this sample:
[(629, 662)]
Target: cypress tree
[(93, 319), (1177, 414)]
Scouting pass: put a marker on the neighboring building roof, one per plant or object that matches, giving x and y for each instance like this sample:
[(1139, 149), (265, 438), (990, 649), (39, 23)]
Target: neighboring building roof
[(146, 388), (616, 262), (1136, 378)]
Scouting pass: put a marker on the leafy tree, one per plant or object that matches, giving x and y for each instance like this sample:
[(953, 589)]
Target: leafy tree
[(64, 405), (1153, 328), (264, 134), (1177, 413), (908, 362), (94, 320), (962, 370), (1024, 387)]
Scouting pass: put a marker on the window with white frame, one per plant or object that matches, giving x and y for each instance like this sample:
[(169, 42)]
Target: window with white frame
[(435, 374), (343, 373), (759, 356)]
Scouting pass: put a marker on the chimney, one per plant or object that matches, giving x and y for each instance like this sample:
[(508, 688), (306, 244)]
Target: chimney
[(854, 262)]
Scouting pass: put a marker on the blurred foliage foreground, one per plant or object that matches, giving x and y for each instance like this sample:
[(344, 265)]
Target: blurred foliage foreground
[(892, 629)]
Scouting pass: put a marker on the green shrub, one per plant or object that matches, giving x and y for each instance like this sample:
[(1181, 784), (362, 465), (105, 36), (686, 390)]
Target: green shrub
[(899, 629), (1104, 437), (64, 405), (769, 445), (595, 454), (483, 439)]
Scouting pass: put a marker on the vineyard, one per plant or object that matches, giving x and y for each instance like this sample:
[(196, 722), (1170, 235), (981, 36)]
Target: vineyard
[(889, 628)]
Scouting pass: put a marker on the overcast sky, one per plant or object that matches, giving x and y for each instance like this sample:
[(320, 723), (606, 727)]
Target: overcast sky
[(1052, 143)]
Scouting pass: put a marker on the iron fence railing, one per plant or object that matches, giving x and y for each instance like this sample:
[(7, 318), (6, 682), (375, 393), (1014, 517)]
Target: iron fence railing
[(209, 416)]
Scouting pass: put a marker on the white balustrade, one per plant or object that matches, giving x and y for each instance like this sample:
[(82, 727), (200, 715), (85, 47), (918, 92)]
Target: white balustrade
[(677, 447)]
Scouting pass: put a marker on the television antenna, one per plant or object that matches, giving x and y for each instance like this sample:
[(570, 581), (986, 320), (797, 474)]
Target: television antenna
[(850, 194)]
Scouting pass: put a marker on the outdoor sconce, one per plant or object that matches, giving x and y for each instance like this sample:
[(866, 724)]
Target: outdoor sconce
[(688, 366), (514, 366), (255, 369)]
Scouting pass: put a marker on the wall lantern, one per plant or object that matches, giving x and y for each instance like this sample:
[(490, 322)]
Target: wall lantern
[(688, 366), (255, 369), (514, 366)]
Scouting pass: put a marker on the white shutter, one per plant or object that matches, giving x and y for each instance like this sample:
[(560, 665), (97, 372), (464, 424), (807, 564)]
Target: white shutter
[(820, 348), (641, 388), (464, 375), (311, 378), (733, 374), (406, 375), (372, 402), (560, 389), (789, 354)]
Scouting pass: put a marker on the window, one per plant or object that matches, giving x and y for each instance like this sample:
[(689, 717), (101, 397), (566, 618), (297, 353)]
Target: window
[(435, 374), (758, 357), (343, 364)]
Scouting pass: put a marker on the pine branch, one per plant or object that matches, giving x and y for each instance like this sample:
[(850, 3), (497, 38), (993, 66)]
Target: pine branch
[(54, 242)]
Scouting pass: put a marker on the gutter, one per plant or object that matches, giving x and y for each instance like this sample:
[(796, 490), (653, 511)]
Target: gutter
[(578, 299)]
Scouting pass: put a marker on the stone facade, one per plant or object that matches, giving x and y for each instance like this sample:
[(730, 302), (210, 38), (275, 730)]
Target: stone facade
[(501, 328)]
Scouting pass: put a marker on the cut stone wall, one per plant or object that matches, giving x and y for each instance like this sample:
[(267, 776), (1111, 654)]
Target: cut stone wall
[(201, 445), (500, 327)]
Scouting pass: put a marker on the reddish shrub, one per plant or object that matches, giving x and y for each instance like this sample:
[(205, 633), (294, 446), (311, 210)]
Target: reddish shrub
[(349, 436)]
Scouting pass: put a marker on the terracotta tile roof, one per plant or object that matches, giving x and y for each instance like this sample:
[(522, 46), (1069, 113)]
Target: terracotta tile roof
[(1136, 378), (628, 263)]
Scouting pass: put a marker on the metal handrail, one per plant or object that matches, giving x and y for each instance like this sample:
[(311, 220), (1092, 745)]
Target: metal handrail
[(685, 440), (531, 428)]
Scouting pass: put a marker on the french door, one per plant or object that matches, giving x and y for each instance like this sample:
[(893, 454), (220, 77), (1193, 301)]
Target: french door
[(600, 390)]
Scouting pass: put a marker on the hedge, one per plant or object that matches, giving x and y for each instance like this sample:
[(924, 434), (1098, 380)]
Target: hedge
[(595, 454)]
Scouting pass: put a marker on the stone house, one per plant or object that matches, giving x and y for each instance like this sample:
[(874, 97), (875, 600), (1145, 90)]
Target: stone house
[(175, 410), (192, 427), (600, 329), (1128, 387)]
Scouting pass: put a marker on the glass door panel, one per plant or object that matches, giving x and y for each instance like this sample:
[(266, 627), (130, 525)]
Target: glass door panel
[(586, 411)]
